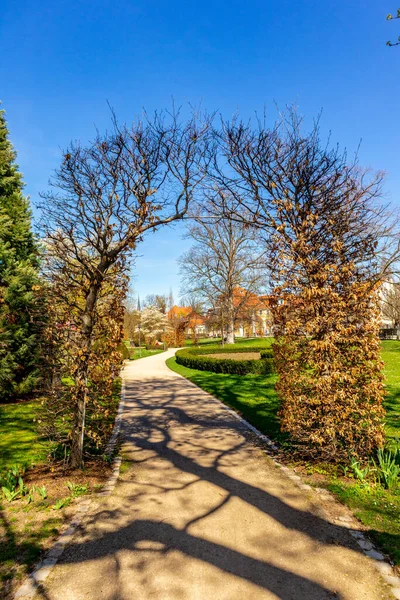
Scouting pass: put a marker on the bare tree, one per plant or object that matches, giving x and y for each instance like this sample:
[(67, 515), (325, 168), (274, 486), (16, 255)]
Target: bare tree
[(226, 256), (160, 301), (130, 314), (391, 304), (171, 301), (195, 316), (105, 197)]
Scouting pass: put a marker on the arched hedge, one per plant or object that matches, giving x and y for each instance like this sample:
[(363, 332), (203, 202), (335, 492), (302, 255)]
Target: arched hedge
[(198, 358)]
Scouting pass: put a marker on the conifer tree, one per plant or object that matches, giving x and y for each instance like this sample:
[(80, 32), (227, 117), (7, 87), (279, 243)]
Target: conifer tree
[(18, 279)]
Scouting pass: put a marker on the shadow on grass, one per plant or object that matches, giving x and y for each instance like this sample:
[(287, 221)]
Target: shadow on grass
[(390, 542), (392, 408), (14, 553), (20, 442)]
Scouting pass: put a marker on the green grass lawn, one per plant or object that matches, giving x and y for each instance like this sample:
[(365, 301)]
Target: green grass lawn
[(253, 396), (137, 353), (19, 441), (391, 358)]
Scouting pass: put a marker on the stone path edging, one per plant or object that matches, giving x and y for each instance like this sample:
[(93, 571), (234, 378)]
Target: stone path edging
[(42, 570), (384, 568)]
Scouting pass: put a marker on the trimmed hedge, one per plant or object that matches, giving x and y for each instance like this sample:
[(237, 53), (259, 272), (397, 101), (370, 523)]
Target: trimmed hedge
[(156, 347), (194, 358)]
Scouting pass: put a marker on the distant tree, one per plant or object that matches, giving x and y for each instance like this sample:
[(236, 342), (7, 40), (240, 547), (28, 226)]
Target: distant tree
[(226, 255), (131, 315), (391, 304), (105, 196), (390, 17), (160, 301), (131, 322), (154, 323), (19, 305), (194, 302), (195, 316), (171, 301), (178, 319)]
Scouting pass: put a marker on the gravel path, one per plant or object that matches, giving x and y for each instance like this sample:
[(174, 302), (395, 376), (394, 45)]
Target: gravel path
[(200, 513)]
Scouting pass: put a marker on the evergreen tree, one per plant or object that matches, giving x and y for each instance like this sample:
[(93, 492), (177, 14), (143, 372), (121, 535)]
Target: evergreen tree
[(18, 279)]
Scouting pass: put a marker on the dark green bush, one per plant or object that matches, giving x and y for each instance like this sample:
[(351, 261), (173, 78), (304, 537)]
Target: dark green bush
[(194, 358), (267, 353)]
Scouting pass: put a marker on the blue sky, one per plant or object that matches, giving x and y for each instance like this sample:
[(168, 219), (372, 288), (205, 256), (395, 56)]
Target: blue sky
[(62, 61)]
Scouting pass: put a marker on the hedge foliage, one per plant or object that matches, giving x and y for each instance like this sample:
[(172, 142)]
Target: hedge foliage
[(194, 358), (124, 351)]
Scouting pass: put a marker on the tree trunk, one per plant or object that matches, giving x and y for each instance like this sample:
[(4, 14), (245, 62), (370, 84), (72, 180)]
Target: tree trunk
[(78, 431), (230, 328), (81, 396), (81, 380)]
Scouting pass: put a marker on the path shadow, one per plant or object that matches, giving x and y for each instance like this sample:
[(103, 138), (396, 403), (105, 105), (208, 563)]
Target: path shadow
[(157, 416)]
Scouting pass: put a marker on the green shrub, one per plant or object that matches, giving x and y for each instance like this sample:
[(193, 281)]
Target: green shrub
[(155, 347), (124, 351), (194, 358)]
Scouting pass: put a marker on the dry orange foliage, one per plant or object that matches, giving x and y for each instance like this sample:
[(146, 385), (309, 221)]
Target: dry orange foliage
[(327, 354)]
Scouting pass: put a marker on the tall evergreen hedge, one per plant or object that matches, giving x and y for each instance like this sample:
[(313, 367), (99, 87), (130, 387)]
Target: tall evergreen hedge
[(19, 351)]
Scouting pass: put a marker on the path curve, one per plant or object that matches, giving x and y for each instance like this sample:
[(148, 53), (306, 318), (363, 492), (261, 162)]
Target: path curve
[(200, 513)]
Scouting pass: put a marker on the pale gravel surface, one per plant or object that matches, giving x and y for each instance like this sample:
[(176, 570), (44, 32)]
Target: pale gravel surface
[(202, 514)]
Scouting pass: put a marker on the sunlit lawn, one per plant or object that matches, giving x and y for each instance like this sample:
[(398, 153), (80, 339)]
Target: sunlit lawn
[(391, 358), (142, 353)]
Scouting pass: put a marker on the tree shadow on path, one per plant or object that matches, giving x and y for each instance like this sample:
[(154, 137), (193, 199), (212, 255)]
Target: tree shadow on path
[(179, 439)]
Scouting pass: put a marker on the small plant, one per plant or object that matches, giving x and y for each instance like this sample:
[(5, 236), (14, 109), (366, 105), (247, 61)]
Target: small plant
[(30, 494), (62, 503), (393, 445), (388, 469), (10, 495), (77, 489), (359, 472), (12, 484), (43, 492), (22, 487), (108, 458)]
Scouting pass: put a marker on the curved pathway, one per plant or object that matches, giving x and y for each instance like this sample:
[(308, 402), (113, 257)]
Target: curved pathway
[(200, 513)]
